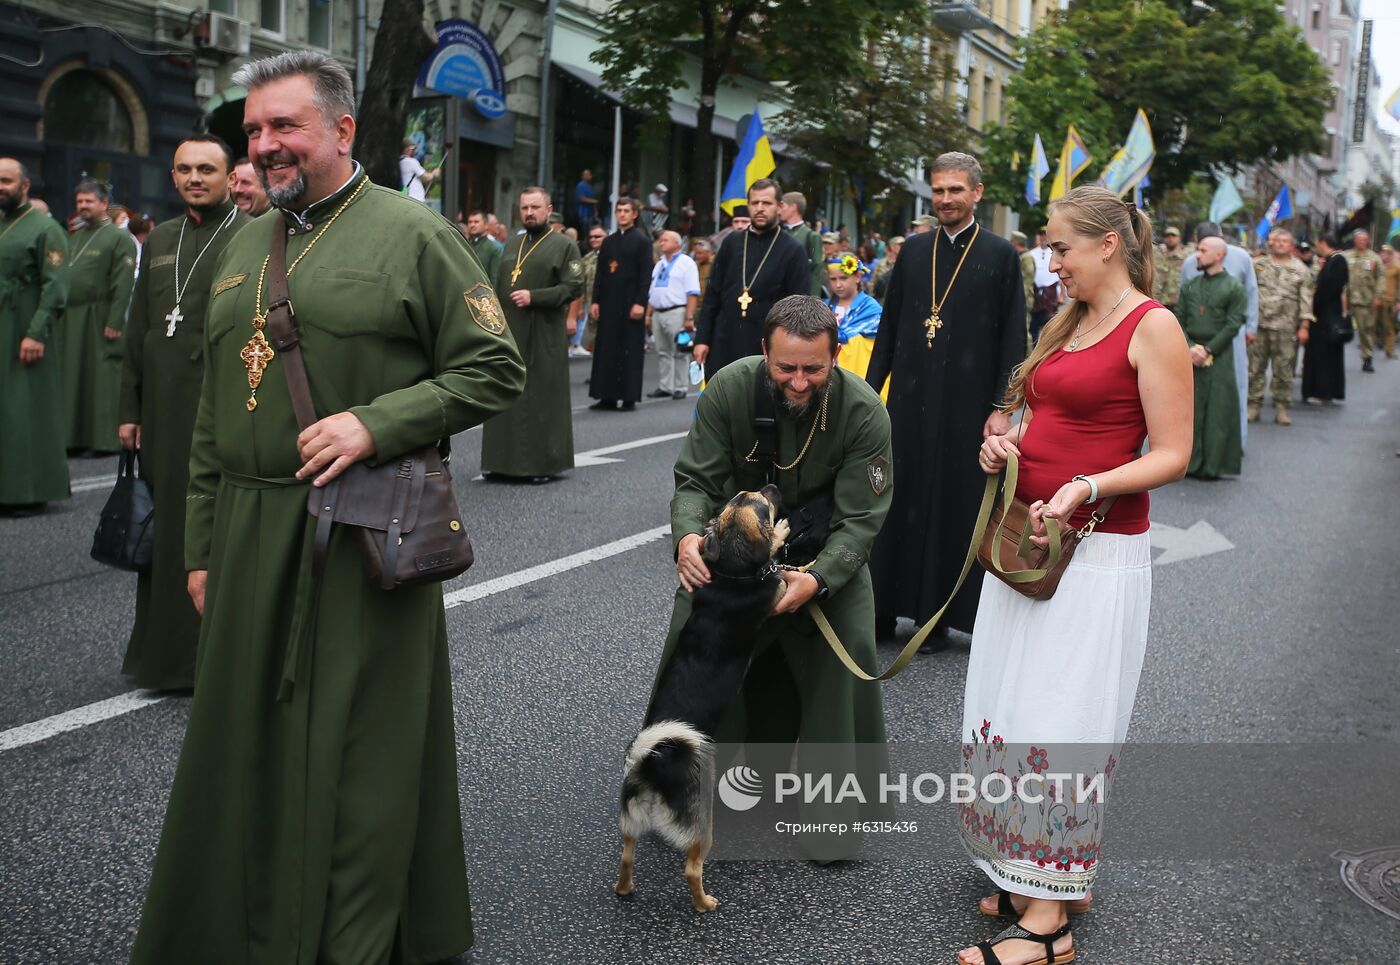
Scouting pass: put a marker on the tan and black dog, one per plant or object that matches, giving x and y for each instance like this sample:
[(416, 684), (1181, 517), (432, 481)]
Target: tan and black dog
[(669, 778)]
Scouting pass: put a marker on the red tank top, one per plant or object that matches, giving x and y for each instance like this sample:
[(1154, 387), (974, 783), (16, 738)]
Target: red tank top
[(1087, 419)]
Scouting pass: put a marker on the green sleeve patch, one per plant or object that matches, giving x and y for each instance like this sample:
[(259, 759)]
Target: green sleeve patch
[(485, 309)]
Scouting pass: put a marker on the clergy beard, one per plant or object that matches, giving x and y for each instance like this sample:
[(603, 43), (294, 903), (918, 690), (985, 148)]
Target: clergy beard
[(9, 203), (286, 195), (797, 410)]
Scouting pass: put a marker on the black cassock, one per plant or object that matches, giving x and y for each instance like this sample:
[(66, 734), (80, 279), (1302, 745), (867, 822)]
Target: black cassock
[(724, 326), (623, 279), (1324, 364), (940, 397)]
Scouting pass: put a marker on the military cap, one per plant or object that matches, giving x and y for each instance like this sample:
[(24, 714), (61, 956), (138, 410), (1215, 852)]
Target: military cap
[(1172, 231)]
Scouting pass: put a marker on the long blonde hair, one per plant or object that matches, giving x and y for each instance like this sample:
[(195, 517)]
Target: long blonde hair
[(1092, 212)]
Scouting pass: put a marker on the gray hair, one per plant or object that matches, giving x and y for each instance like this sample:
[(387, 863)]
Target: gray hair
[(801, 316), (94, 187), (958, 161), (1280, 231), (332, 90)]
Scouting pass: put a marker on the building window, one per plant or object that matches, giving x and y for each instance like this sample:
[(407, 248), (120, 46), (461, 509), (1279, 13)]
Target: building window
[(1316, 18), (988, 108), (318, 23), (229, 7), (82, 108), (270, 15)]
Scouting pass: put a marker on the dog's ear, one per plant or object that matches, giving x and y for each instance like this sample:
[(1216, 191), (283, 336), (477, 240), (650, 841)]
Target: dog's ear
[(709, 547)]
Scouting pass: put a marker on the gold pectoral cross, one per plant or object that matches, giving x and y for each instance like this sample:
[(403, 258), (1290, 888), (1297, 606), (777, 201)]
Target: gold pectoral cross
[(514, 274), (932, 324), (256, 356), (744, 300)]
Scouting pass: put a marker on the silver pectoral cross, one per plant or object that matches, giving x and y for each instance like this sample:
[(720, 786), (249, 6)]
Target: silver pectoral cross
[(174, 318)]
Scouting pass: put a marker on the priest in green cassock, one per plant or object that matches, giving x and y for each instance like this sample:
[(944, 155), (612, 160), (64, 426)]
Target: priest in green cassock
[(314, 815), (33, 288), (486, 248), (163, 370), (539, 275), (88, 338), (1211, 308)]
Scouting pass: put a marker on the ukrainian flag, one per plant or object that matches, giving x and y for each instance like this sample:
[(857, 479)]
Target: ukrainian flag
[(1392, 106), (1040, 166), (1074, 158), (755, 161)]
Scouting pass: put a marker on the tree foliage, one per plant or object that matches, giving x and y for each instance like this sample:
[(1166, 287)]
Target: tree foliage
[(793, 42), (870, 122), (1224, 84)]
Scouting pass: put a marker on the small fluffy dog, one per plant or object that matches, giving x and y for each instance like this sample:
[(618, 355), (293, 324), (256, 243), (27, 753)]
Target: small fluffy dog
[(669, 777)]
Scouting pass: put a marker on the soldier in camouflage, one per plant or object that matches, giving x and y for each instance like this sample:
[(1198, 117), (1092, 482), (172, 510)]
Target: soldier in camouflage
[(1364, 293), (1285, 313), (1167, 262)]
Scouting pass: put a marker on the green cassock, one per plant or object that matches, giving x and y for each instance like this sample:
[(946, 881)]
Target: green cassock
[(536, 436), (33, 289), (102, 271), (1211, 309), (796, 689), (161, 376), (314, 815), (811, 243), (488, 252)]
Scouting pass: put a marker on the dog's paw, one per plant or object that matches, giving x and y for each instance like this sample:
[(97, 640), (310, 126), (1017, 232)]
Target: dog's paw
[(780, 534), (623, 889), (706, 903)]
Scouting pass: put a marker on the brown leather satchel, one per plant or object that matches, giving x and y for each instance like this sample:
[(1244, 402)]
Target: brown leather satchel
[(404, 510), (1006, 550)]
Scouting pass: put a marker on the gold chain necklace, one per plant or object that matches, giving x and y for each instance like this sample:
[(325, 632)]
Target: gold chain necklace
[(935, 319), (745, 299), (522, 256), (258, 354), (26, 214), (819, 420)]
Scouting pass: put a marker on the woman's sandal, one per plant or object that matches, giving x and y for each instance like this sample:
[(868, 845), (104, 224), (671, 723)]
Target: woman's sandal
[(1005, 909), (989, 957)]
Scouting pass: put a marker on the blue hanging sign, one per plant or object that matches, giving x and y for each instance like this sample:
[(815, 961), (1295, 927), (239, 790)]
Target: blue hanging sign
[(465, 64)]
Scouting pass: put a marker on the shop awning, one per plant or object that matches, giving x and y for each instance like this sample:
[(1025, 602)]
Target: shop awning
[(682, 114)]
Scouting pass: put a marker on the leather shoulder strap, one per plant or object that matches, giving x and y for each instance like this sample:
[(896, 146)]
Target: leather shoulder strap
[(765, 427), (282, 330)]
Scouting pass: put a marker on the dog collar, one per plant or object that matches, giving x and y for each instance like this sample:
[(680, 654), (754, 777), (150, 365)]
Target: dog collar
[(764, 572)]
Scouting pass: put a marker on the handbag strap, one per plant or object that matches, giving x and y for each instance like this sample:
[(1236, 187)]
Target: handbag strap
[(765, 426), (286, 342), (984, 516)]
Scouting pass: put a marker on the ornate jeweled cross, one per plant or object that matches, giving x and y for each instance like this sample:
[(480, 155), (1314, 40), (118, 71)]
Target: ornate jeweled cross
[(744, 300), (173, 318), (932, 324), (256, 355)]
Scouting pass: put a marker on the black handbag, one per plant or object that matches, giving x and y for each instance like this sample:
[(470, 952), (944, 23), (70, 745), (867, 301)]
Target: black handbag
[(1341, 330), (126, 531)]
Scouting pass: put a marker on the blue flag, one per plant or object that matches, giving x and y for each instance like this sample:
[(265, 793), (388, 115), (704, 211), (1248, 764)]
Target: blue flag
[(1282, 207), (755, 160), (1040, 166)]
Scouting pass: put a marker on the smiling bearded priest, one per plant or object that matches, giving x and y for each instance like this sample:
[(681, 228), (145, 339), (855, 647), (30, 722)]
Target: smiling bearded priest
[(314, 815), (832, 441)]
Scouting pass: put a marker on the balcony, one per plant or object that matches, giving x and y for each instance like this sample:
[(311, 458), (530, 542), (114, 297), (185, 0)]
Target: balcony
[(957, 16)]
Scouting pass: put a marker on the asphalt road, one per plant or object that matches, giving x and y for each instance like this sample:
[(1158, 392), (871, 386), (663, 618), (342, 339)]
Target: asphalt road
[(1289, 637)]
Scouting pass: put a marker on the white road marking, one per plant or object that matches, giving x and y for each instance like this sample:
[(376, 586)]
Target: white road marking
[(599, 457), (41, 730), (1201, 539), (1377, 416), (71, 720), (88, 484)]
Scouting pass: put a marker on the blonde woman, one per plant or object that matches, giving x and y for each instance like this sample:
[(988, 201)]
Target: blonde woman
[(1051, 683)]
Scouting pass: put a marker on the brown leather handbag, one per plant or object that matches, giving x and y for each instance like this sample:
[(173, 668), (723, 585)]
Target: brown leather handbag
[(404, 510), (1006, 550)]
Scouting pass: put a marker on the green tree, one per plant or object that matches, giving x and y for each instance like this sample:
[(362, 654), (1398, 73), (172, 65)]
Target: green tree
[(869, 123), (401, 44), (645, 43), (1224, 83)]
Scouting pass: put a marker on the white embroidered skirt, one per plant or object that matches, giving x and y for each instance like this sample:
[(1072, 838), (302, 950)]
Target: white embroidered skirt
[(1050, 690)]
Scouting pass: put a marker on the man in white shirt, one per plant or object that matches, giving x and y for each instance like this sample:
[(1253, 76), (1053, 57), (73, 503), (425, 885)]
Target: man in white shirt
[(657, 211), (413, 175), (1048, 294), (671, 302)]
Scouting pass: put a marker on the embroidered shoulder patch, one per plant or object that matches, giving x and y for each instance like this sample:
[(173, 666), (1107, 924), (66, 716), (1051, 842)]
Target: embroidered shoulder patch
[(485, 309), (232, 281), (55, 257), (160, 261), (575, 266), (878, 471)]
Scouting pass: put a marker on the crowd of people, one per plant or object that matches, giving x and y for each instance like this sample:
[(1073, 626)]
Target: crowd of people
[(894, 372)]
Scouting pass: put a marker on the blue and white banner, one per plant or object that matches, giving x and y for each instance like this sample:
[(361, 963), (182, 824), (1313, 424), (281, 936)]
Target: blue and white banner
[(465, 64)]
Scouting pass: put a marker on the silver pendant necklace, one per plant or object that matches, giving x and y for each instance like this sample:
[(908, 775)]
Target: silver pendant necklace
[(1074, 342), (174, 317)]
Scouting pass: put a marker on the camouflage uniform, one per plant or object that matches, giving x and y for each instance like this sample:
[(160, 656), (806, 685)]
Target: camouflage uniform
[(1363, 288), (590, 269), (1166, 280), (1389, 297), (1285, 305)]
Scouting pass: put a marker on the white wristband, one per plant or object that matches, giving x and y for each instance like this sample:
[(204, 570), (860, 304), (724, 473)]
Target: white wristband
[(1093, 487)]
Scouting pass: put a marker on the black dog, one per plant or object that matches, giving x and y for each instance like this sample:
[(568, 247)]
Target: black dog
[(668, 783)]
